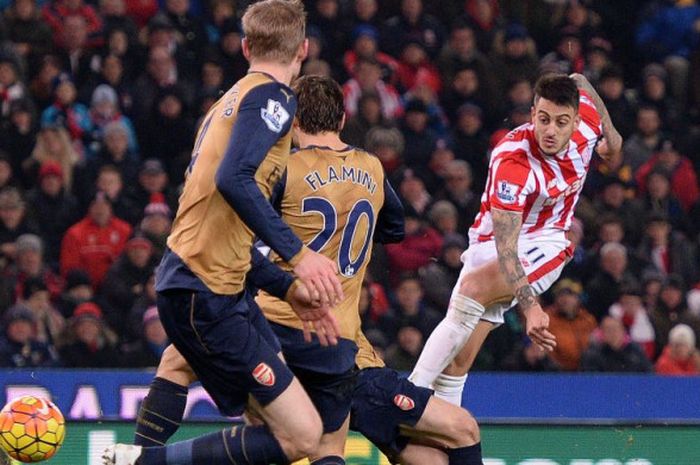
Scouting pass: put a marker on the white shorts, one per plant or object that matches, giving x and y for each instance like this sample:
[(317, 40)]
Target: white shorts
[(542, 261)]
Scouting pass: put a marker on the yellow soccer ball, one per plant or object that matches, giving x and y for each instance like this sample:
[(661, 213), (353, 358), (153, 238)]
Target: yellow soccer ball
[(32, 429)]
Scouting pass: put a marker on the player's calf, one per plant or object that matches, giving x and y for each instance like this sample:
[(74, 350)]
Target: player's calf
[(162, 409)]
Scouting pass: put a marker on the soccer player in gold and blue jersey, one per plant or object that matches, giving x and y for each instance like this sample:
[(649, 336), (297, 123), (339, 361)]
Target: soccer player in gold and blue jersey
[(336, 198), (240, 152)]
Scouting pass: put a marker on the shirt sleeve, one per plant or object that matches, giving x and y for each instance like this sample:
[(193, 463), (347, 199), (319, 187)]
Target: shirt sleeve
[(390, 225), (267, 276), (263, 117), (509, 186), (589, 115)]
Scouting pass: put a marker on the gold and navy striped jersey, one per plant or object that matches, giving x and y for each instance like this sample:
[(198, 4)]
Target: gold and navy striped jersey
[(333, 201), (240, 153)]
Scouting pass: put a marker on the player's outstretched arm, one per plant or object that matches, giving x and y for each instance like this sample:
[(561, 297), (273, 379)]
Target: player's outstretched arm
[(612, 136), (506, 230)]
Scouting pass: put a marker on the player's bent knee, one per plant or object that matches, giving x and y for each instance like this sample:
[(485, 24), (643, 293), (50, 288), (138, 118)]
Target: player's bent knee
[(463, 429), (302, 441)]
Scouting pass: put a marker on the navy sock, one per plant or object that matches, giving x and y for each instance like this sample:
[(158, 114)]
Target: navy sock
[(242, 445), (160, 413), (329, 460), (470, 455)]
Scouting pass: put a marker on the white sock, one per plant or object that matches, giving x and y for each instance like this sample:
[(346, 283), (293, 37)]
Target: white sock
[(449, 388), (447, 339)]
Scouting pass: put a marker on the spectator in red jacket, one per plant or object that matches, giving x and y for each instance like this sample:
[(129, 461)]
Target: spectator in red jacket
[(684, 181), (95, 242), (680, 357), (421, 245)]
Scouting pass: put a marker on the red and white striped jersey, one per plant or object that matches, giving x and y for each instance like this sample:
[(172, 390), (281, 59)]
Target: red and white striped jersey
[(545, 189)]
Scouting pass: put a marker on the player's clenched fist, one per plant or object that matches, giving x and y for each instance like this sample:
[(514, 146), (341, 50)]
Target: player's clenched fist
[(319, 274)]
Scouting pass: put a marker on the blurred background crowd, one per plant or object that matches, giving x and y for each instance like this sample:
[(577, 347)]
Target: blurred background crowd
[(100, 101)]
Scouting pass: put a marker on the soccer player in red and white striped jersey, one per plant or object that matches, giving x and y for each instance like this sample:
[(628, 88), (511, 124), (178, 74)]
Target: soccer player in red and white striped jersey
[(518, 242)]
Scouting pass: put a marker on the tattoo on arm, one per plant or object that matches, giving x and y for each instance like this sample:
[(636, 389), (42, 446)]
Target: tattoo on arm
[(613, 137), (506, 230)]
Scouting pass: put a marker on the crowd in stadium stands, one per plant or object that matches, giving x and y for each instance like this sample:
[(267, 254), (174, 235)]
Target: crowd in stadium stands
[(100, 101)]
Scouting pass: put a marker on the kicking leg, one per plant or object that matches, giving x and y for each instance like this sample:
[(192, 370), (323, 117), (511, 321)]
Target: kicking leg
[(450, 383), (477, 288)]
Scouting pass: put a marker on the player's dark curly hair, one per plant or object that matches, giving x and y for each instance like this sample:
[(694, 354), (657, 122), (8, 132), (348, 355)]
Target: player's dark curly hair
[(320, 104), (557, 88)]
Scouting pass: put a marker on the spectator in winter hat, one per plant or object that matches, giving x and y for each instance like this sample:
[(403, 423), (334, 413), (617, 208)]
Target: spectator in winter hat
[(127, 278), (104, 109), (30, 263), (680, 356), (518, 57), (388, 145), (156, 224), (55, 206), (153, 180), (66, 112), (570, 323), (654, 92), (18, 345), (419, 137), (87, 341), (365, 40)]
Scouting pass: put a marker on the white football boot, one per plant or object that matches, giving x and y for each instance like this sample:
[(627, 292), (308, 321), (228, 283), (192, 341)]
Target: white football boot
[(121, 454)]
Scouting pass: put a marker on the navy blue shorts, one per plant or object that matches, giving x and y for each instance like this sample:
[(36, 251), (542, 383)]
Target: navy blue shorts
[(328, 374), (382, 402), (330, 394), (227, 343)]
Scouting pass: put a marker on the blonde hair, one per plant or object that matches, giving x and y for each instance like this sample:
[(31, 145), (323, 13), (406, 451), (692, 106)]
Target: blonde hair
[(275, 29), (67, 157)]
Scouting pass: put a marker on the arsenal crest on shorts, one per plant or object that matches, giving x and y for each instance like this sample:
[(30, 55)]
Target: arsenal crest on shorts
[(404, 402), (264, 375)]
